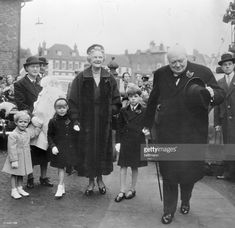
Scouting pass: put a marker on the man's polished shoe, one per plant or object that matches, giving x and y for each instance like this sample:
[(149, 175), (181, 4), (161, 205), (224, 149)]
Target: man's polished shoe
[(167, 218), (45, 182), (185, 208), (30, 183)]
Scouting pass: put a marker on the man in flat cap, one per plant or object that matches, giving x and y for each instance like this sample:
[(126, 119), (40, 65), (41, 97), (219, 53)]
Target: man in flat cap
[(178, 123), (26, 93), (223, 114)]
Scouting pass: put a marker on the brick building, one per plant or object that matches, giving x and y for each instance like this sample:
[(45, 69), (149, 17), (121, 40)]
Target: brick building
[(10, 14), (62, 59)]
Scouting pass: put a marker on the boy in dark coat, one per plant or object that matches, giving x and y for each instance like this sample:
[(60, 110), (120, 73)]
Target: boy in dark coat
[(130, 136)]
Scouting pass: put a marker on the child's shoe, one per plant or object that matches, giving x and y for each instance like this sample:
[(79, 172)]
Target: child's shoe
[(15, 194), (60, 191), (22, 191)]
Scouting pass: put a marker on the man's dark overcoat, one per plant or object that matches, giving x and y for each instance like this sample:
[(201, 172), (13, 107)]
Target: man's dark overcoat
[(26, 93), (177, 123), (224, 114), (94, 115)]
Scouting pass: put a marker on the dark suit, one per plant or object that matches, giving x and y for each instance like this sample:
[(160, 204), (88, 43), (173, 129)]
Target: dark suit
[(26, 93), (224, 115), (178, 124)]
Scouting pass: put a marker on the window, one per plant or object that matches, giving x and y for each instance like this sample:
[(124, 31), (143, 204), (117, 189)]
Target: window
[(74, 54), (57, 64), (76, 65), (70, 67), (59, 53), (63, 65)]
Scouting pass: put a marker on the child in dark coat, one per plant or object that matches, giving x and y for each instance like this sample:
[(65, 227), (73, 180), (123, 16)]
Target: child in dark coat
[(62, 137), (130, 136)]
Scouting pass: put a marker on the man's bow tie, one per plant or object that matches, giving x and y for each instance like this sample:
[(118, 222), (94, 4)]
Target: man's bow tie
[(177, 75)]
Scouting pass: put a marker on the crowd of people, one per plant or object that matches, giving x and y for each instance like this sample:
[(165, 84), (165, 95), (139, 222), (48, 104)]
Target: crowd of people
[(74, 132)]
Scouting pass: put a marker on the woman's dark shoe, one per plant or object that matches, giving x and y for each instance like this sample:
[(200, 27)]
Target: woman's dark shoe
[(167, 218), (101, 186), (185, 208), (121, 196), (90, 190), (45, 182), (30, 183), (102, 190), (130, 194)]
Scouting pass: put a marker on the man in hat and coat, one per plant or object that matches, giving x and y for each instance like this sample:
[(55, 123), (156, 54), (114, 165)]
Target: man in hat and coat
[(182, 119), (224, 120), (26, 93), (43, 67)]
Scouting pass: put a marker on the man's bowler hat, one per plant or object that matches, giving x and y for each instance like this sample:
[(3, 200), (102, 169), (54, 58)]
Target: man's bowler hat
[(43, 60), (32, 60), (226, 57), (196, 95)]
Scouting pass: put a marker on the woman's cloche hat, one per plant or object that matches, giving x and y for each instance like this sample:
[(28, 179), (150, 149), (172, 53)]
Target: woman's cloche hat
[(95, 47)]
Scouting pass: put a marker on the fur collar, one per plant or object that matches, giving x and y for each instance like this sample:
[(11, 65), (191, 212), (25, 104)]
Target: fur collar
[(87, 73)]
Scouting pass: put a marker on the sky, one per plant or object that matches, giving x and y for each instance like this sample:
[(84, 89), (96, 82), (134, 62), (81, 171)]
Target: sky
[(126, 24)]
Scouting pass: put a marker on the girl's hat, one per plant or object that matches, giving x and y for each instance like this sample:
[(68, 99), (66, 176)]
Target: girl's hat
[(60, 99)]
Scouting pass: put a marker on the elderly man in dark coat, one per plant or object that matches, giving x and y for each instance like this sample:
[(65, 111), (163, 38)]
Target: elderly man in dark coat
[(93, 99), (179, 123), (223, 114)]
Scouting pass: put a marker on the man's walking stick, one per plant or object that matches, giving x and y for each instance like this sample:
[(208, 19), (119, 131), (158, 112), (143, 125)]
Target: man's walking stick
[(158, 180), (157, 168)]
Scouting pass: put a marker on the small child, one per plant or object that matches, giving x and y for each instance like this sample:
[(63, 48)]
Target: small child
[(130, 136), (18, 162), (62, 138)]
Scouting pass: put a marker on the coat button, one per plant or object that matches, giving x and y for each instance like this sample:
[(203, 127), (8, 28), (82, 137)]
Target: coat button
[(230, 117), (229, 106)]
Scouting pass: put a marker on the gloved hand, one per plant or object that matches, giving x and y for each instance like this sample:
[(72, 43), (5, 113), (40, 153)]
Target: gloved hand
[(55, 150), (76, 128), (117, 147), (15, 165), (211, 91), (218, 128), (146, 131)]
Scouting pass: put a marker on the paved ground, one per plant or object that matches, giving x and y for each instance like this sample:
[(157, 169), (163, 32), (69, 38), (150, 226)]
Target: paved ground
[(210, 208)]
